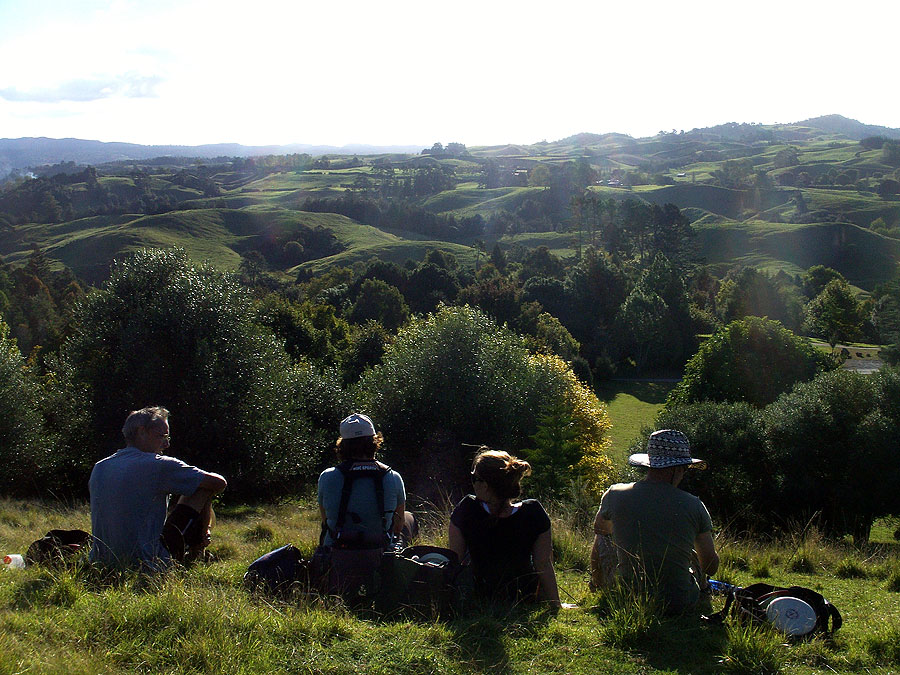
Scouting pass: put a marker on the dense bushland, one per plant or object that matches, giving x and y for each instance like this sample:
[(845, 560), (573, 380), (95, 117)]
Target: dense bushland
[(753, 360), (256, 388), (823, 452), (455, 380)]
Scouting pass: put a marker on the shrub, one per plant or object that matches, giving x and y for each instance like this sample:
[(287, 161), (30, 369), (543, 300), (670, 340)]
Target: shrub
[(456, 377), (833, 442), (753, 360), (20, 421), (164, 331)]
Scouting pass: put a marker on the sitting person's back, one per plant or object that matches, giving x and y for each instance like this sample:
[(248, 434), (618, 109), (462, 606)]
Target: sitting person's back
[(508, 542), (362, 505), (657, 527), (129, 494)]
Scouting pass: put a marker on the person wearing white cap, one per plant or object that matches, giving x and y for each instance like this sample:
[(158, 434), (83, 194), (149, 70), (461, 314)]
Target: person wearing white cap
[(362, 504), (662, 535)]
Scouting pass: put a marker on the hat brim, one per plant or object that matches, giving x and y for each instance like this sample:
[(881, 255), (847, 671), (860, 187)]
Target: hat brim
[(643, 459)]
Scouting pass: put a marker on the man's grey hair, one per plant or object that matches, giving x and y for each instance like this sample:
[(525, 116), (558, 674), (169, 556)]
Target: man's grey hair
[(142, 418)]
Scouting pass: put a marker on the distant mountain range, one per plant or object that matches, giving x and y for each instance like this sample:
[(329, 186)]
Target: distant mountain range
[(23, 153), (17, 154)]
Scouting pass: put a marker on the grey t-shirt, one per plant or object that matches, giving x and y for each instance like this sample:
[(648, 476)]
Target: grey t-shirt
[(654, 527), (129, 495)]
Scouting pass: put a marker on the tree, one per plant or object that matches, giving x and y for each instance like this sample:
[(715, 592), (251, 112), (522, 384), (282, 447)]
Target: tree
[(498, 258), (833, 440), (380, 302), (890, 153), (816, 279), (786, 157), (366, 349), (888, 188), (22, 440), (653, 326), (165, 331), (539, 176), (749, 292), (456, 377), (541, 262), (642, 325), (752, 360), (835, 314), (308, 330), (595, 289), (734, 173)]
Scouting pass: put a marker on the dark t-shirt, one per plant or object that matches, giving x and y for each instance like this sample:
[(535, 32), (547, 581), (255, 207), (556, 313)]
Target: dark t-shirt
[(500, 548)]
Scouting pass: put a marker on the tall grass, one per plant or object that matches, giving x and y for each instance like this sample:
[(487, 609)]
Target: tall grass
[(202, 620)]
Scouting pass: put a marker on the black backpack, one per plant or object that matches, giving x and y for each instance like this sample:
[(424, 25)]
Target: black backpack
[(57, 546), (797, 611), (348, 566), (277, 570), (419, 580)]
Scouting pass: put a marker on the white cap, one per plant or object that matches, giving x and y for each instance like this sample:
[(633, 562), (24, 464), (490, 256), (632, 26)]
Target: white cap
[(357, 426)]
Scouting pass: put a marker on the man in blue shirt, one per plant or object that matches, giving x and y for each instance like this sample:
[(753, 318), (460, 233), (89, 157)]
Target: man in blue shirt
[(129, 495)]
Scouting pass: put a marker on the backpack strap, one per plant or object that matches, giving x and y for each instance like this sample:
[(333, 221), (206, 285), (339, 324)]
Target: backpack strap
[(351, 470)]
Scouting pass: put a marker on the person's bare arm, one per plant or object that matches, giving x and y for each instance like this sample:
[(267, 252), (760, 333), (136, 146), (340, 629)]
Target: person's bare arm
[(602, 525), (399, 518), (542, 554), (213, 482), (705, 546), (210, 485), (457, 542), (602, 532)]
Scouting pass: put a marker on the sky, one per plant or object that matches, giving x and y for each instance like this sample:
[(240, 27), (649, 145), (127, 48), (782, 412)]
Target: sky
[(491, 72)]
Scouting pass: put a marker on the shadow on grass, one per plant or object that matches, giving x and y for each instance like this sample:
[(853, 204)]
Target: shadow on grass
[(681, 643), (480, 632), (647, 392)]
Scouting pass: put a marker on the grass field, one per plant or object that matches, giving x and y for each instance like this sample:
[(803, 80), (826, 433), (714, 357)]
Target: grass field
[(202, 620), (632, 405)]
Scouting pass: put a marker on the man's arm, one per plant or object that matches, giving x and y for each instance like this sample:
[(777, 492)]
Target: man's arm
[(210, 485), (602, 547), (213, 482), (399, 518), (705, 546)]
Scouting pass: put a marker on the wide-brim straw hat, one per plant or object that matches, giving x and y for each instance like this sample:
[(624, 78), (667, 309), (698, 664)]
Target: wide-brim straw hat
[(665, 448)]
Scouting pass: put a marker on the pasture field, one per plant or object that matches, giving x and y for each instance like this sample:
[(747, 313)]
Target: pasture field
[(202, 620), (632, 405), (863, 257)]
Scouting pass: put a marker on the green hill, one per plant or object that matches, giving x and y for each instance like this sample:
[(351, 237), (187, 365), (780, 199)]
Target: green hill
[(783, 196), (864, 257)]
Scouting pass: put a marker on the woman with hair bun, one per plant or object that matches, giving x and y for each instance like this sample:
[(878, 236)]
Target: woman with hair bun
[(507, 541)]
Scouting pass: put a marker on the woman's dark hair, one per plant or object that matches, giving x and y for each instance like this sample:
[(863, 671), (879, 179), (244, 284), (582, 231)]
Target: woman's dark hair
[(502, 472), (360, 448)]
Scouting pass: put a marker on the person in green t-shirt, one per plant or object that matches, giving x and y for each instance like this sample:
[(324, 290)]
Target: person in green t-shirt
[(662, 535)]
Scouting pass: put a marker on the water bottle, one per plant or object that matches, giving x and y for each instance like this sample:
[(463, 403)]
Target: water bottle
[(13, 561), (720, 586)]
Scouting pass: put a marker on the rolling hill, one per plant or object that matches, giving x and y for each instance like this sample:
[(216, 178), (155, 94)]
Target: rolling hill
[(782, 196)]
